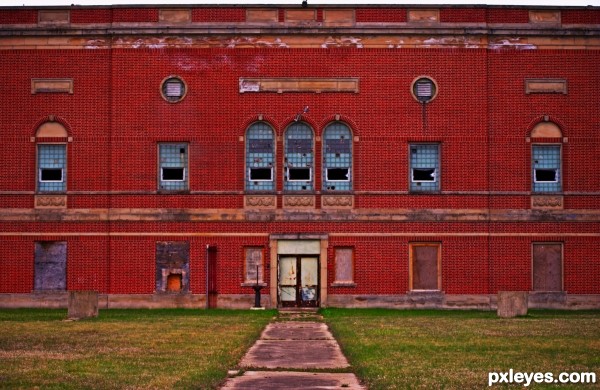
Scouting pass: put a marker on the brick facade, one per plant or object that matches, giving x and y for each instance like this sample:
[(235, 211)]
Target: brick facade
[(484, 215)]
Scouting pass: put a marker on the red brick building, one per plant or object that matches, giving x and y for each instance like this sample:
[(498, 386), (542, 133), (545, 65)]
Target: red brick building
[(342, 155)]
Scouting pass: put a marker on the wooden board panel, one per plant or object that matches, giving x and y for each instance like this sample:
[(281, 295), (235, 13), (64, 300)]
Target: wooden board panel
[(344, 264), (547, 267), (50, 265), (425, 266)]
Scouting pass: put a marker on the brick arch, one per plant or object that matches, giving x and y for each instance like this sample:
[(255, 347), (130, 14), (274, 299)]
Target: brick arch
[(545, 119), (257, 118), (52, 118), (342, 118), (291, 120)]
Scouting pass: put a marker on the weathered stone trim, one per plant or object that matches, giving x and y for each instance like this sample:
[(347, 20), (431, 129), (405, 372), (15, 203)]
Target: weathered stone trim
[(342, 202), (298, 84), (260, 202), (299, 201), (547, 202), (51, 86), (50, 202), (545, 86)]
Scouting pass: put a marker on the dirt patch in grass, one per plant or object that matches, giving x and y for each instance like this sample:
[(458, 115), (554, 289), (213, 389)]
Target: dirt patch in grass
[(149, 349), (393, 349)]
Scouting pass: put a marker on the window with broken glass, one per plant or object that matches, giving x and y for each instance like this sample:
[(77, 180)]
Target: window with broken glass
[(424, 167), (299, 158), (52, 168), (260, 158), (337, 158), (546, 168), (173, 164)]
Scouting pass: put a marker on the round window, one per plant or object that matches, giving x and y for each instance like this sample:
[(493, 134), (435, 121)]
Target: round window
[(173, 89), (424, 89)]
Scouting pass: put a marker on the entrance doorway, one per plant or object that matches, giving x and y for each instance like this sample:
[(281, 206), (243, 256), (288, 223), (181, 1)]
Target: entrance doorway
[(298, 281)]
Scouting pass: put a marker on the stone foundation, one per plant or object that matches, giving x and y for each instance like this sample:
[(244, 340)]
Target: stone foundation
[(419, 300)]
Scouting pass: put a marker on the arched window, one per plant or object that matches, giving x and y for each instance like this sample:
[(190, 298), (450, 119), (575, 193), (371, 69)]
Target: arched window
[(51, 159), (260, 157), (299, 158), (546, 158), (337, 157)]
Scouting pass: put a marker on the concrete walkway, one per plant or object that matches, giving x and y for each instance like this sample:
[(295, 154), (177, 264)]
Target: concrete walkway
[(296, 341)]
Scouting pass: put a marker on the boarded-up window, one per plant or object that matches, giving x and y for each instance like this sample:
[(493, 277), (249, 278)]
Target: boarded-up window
[(50, 265), (425, 266), (547, 267), (344, 265), (254, 264)]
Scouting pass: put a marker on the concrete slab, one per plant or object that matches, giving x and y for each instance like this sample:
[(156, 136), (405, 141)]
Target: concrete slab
[(268, 380), (301, 354), (300, 330)]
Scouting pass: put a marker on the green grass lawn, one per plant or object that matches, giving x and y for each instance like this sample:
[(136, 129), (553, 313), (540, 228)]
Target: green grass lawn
[(136, 349), (412, 349)]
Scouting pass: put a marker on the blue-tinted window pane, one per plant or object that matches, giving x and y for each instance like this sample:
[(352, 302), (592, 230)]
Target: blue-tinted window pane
[(52, 168), (337, 158), (424, 167), (260, 158), (299, 158), (546, 168), (173, 166)]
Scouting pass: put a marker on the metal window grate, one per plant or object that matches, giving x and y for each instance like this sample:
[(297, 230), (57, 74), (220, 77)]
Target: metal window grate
[(260, 155), (546, 168), (424, 90), (171, 157), (52, 158), (337, 155), (424, 167), (174, 89), (298, 154)]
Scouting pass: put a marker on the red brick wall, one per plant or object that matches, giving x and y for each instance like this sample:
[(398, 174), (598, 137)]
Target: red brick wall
[(218, 15), (374, 15)]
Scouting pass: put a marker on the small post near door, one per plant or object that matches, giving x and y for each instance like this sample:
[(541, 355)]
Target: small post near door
[(211, 277)]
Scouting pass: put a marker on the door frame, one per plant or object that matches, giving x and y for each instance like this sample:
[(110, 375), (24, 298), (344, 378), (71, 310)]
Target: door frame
[(299, 301), (281, 243)]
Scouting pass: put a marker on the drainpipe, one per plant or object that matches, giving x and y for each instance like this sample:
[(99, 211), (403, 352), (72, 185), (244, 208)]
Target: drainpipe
[(207, 275)]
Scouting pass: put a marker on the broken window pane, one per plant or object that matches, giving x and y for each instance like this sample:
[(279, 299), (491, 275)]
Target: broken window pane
[(424, 167), (338, 174), (52, 164), (261, 174), (173, 174), (337, 157), (546, 175), (423, 174), (299, 157), (49, 174), (299, 174), (173, 162)]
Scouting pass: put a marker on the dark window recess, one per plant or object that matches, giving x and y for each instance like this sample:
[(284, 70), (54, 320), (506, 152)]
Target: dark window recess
[(51, 174), (545, 175), (257, 174), (338, 174), (337, 146), (260, 146), (299, 145), (172, 174), (423, 174), (299, 174)]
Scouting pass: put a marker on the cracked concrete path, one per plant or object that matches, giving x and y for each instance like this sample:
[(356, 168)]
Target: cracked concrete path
[(298, 345)]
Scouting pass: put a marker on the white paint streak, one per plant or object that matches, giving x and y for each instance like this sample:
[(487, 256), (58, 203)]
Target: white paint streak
[(514, 42)]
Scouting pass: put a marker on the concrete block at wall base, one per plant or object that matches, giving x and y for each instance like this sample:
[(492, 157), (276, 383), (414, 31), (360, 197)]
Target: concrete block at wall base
[(413, 300), (512, 304), (547, 300), (153, 301), (82, 304), (35, 300), (241, 301)]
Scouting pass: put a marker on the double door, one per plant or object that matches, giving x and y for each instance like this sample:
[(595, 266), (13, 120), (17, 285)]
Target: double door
[(299, 281)]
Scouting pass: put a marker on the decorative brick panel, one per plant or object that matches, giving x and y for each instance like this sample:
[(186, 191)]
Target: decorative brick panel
[(299, 201), (337, 201), (260, 201), (51, 201), (547, 202)]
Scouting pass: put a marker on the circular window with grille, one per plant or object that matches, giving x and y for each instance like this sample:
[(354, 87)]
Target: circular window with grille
[(424, 89), (173, 89)]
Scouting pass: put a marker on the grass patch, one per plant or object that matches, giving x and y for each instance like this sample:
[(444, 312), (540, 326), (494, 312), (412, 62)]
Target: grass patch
[(435, 349), (150, 349)]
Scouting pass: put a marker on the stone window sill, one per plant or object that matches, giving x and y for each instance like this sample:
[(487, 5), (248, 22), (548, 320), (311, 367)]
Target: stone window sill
[(343, 284), (252, 284)]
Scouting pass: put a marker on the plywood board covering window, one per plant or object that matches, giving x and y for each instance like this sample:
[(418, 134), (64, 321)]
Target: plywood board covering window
[(425, 264), (254, 265), (50, 268), (344, 266), (547, 267)]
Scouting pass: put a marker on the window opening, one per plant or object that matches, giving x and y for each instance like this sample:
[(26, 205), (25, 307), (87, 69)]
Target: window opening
[(52, 161), (299, 158), (260, 157), (546, 168), (424, 167), (173, 161), (337, 157)]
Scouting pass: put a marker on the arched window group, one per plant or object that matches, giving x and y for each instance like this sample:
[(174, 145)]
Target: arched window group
[(299, 158)]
